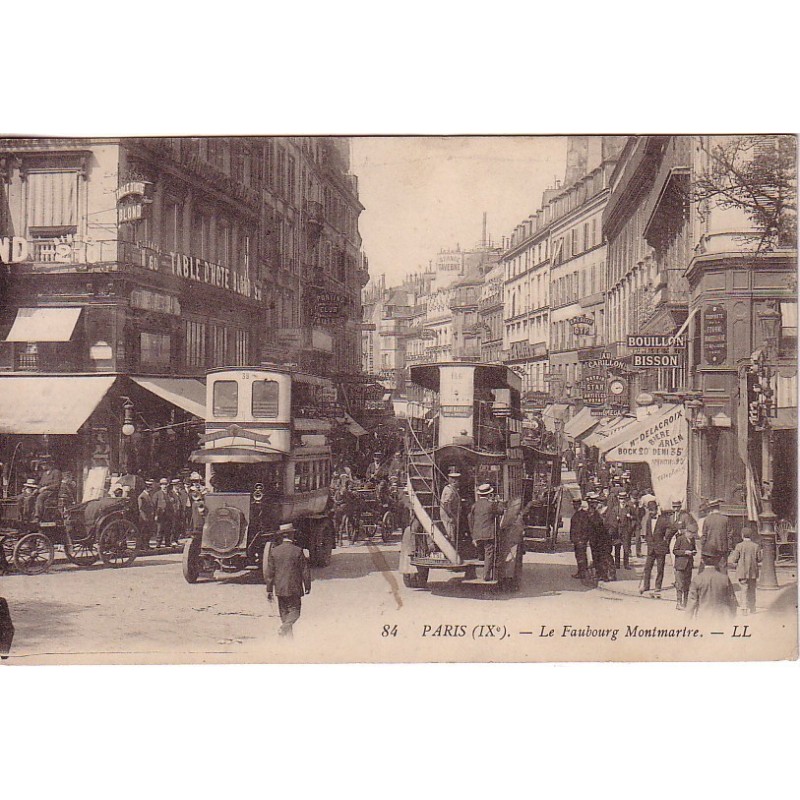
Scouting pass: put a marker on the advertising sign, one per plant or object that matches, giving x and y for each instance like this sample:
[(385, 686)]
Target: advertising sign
[(715, 334), (659, 440)]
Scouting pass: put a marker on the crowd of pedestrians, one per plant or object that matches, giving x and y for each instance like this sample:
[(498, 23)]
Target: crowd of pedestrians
[(170, 509), (609, 528)]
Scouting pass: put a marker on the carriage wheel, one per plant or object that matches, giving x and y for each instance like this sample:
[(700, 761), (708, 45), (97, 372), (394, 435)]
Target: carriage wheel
[(117, 543), (8, 548), (33, 554), (82, 552)]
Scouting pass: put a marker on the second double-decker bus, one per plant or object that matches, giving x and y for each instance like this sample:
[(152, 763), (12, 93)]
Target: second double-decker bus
[(469, 424)]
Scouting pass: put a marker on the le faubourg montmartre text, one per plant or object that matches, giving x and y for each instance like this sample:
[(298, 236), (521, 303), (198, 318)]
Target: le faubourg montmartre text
[(630, 632)]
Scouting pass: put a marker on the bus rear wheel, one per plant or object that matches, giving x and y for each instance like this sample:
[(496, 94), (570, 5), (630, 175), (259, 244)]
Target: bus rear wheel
[(416, 580)]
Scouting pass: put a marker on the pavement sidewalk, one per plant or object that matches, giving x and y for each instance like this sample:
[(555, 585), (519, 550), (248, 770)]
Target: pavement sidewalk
[(629, 582)]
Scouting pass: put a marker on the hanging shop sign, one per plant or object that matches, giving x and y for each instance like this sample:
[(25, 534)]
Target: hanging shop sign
[(132, 199), (327, 306), (658, 360), (715, 334), (656, 342), (582, 325), (593, 389), (611, 365)]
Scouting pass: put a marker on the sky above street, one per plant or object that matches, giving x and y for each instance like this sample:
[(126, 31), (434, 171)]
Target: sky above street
[(424, 194)]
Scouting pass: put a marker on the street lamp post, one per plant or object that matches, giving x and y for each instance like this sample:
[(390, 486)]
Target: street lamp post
[(770, 320)]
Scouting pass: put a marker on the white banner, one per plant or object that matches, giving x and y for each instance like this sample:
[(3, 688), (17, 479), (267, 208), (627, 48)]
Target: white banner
[(661, 441)]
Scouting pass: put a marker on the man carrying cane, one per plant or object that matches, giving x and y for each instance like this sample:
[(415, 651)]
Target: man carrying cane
[(289, 576)]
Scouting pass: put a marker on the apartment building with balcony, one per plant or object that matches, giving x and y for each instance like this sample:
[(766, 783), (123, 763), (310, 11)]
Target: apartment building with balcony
[(526, 292), (577, 269), (311, 240), (490, 316)]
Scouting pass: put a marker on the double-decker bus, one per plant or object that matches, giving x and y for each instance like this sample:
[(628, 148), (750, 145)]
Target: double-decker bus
[(469, 423), (268, 462)]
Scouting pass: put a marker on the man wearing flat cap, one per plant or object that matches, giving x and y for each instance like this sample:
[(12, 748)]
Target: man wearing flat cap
[(483, 524), (288, 576)]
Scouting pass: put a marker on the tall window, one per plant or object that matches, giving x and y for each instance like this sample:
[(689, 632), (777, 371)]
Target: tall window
[(291, 179), (194, 343), (173, 226), (223, 243), (242, 345), (52, 202), (219, 345), (788, 335)]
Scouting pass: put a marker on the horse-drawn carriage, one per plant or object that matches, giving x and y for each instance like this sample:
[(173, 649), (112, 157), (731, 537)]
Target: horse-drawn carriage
[(96, 529)]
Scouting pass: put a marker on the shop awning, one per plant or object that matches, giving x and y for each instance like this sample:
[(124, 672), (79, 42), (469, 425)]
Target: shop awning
[(352, 426), (233, 455), (553, 412), (581, 422), (51, 404), (607, 427), (44, 325), (625, 433), (186, 393)]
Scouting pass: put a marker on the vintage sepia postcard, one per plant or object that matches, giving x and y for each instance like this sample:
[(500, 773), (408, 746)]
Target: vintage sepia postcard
[(270, 399)]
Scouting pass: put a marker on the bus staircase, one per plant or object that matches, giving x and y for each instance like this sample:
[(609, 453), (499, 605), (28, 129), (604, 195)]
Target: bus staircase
[(425, 502)]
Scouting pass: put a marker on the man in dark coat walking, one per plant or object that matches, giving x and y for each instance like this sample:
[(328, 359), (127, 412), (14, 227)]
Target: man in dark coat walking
[(579, 532), (289, 577)]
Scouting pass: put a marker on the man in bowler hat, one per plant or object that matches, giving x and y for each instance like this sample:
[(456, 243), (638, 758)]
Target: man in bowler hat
[(288, 576)]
